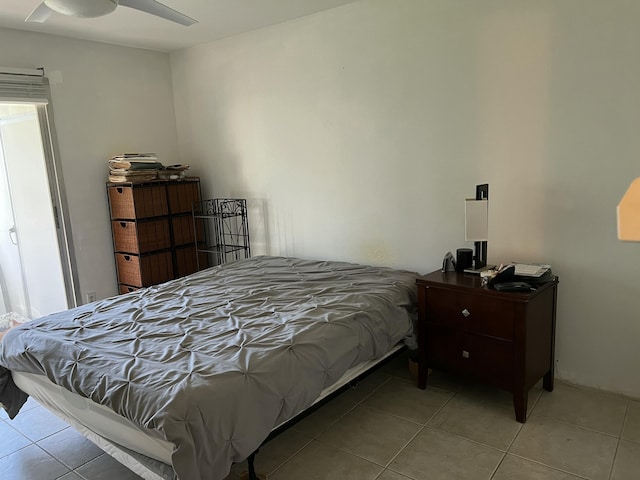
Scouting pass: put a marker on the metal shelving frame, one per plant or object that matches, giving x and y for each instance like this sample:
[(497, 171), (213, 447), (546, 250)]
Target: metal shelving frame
[(226, 230)]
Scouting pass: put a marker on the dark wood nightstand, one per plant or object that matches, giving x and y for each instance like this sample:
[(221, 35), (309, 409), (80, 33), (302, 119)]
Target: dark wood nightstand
[(505, 339)]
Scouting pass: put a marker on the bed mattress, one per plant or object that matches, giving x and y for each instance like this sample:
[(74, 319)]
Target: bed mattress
[(101, 420)]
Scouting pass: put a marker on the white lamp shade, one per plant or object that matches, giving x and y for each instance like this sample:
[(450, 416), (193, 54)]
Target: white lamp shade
[(476, 220), (629, 213)]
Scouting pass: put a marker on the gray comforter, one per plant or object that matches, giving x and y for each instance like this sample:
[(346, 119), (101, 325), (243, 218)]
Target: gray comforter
[(214, 361)]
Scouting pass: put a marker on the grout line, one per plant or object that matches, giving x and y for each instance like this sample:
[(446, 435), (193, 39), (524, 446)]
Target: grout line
[(52, 434), (417, 433), (513, 440), (615, 453), (331, 447), (348, 452), (405, 446), (102, 452), (385, 466), (314, 438), (404, 475), (386, 380), (15, 451), (414, 422), (581, 427), (573, 474), (428, 424), (290, 457), (467, 439), (497, 467), (535, 403), (595, 390), (626, 418)]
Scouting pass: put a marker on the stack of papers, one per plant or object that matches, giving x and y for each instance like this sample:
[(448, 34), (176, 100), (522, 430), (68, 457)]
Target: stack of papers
[(531, 270), (134, 167), (173, 172)]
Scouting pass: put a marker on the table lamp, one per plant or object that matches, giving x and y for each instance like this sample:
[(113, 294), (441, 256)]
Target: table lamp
[(476, 226), (629, 214)]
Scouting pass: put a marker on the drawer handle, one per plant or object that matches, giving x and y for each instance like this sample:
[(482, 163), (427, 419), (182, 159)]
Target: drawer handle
[(466, 313), (123, 224), (465, 354), (127, 258), (119, 189)]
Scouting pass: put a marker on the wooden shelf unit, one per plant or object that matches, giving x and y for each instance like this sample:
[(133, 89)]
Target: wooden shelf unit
[(153, 231)]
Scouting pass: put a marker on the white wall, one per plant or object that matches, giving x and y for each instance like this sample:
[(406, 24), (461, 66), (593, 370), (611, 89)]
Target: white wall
[(356, 134), (106, 100)]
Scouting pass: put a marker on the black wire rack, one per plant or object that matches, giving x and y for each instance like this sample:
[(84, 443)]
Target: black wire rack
[(226, 230)]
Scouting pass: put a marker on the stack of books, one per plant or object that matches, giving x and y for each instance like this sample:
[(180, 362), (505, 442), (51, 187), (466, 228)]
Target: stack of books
[(134, 167)]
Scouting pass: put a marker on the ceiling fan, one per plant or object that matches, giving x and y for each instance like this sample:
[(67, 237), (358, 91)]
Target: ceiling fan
[(98, 8)]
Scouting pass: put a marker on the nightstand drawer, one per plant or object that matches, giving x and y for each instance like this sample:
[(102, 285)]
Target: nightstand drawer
[(481, 357), (489, 359), (471, 312)]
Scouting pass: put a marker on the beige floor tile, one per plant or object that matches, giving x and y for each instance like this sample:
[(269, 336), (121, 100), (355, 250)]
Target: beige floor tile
[(275, 452), (483, 391), (627, 463), (485, 422), (71, 476), (437, 455), (566, 447), (106, 468), (516, 468), (37, 423), (70, 448), (366, 386), (31, 463), (320, 462), (533, 397), (370, 434), (389, 475), (11, 440), (631, 429), (317, 422), (586, 408), (406, 400)]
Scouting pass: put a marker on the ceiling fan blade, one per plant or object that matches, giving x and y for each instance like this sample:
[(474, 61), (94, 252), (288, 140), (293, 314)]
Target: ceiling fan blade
[(39, 14), (160, 10)]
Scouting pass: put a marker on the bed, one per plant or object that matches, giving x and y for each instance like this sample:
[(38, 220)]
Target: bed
[(185, 378)]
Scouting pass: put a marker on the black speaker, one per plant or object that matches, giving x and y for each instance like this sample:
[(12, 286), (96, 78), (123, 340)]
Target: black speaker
[(464, 259)]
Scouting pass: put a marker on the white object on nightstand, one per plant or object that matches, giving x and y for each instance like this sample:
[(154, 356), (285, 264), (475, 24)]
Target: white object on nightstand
[(531, 270)]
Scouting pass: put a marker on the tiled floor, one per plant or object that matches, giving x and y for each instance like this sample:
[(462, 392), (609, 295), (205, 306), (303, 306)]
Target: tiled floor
[(387, 429)]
